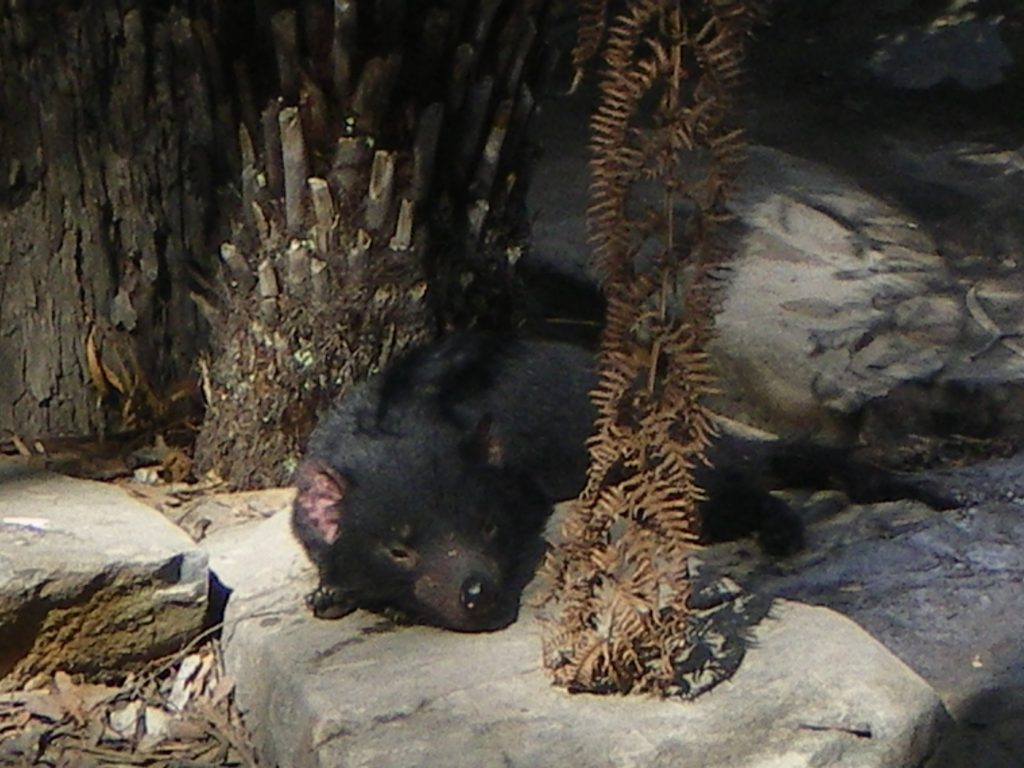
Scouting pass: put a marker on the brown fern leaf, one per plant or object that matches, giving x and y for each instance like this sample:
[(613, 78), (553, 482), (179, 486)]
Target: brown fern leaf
[(615, 163), (591, 19), (591, 668), (557, 646), (670, 70)]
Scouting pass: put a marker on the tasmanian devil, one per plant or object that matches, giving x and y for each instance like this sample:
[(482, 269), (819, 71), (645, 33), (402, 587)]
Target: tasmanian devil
[(424, 488)]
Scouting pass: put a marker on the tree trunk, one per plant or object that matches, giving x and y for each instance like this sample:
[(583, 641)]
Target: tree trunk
[(331, 180), (109, 147)]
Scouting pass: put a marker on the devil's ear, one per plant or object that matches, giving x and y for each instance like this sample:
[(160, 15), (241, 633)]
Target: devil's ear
[(318, 512), (483, 445)]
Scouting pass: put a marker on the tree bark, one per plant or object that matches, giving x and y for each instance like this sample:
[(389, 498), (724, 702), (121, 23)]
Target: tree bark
[(109, 147)]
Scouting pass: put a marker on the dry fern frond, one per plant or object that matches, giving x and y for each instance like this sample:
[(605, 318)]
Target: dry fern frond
[(592, 15), (618, 618)]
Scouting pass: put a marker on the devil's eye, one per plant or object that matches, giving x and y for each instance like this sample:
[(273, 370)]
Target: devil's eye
[(399, 554), (397, 545)]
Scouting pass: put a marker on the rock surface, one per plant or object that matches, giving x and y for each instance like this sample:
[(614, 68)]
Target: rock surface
[(934, 586), (969, 53), (90, 579), (814, 690), (837, 298), (941, 589)]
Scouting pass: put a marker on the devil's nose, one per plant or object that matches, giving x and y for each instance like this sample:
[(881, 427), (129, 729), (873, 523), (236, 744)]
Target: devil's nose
[(478, 593)]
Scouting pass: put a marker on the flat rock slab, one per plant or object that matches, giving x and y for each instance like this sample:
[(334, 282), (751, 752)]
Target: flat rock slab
[(91, 580), (815, 690)]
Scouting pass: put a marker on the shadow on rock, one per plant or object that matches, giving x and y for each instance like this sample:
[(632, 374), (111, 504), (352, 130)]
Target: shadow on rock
[(722, 626), (989, 731)]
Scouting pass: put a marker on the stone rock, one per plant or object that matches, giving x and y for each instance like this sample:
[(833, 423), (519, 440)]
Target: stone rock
[(969, 53), (814, 690), (831, 293), (941, 589), (90, 580), (213, 512)]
